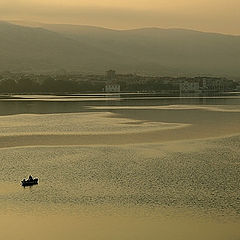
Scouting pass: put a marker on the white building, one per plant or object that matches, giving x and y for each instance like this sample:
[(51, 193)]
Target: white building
[(189, 86), (112, 88)]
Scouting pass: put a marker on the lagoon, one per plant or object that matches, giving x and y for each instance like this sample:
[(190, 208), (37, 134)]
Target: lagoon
[(120, 167)]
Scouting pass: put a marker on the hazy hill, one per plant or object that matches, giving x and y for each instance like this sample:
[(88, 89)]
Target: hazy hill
[(149, 50), (26, 48)]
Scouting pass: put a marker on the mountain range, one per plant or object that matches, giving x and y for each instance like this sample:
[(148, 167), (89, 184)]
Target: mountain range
[(50, 47)]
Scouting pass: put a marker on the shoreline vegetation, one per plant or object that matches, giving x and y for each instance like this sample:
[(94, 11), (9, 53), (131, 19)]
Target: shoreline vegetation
[(67, 83)]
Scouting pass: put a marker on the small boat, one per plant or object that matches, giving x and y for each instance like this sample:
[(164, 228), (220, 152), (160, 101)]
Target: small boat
[(29, 182)]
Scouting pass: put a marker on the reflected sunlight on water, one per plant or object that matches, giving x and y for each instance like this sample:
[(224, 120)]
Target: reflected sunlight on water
[(143, 172)]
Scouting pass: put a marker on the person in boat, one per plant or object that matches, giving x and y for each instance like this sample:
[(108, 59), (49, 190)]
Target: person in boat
[(30, 178)]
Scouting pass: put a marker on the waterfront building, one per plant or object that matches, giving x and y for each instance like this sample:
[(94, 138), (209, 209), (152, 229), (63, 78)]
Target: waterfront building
[(189, 85), (111, 84), (112, 87)]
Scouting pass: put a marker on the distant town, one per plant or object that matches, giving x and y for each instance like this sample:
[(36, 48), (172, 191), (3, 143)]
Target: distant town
[(112, 82)]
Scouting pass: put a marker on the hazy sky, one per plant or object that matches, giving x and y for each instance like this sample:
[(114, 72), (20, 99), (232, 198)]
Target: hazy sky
[(207, 15)]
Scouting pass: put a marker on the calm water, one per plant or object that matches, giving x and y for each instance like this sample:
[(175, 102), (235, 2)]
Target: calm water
[(120, 168)]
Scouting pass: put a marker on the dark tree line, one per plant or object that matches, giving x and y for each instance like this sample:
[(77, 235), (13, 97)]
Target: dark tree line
[(64, 84), (48, 85), (149, 86)]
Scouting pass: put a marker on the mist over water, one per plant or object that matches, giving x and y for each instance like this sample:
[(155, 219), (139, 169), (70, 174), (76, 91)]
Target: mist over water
[(122, 165)]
